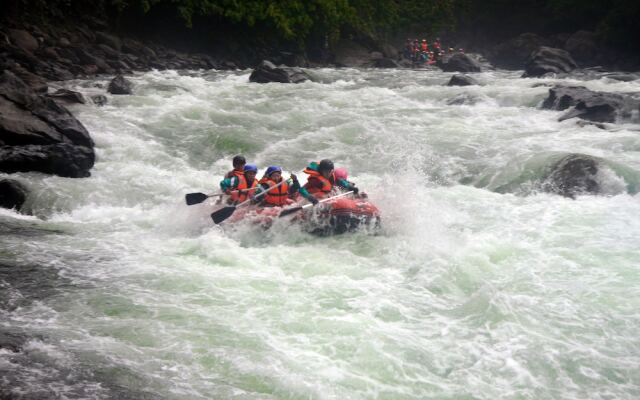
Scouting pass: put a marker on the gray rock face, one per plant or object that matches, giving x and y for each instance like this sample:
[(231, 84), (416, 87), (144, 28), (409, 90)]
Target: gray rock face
[(37, 134), (548, 59), (462, 80), (67, 96), (514, 53), (120, 85), (386, 63), (12, 194), (460, 63), (351, 54), (267, 72), (583, 47), (23, 40), (573, 175), (590, 105)]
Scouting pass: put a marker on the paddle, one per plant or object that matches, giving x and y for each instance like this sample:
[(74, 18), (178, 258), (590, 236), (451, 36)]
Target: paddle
[(289, 211), (226, 212), (196, 198)]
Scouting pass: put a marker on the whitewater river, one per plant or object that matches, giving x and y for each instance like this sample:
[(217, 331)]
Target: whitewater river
[(479, 286)]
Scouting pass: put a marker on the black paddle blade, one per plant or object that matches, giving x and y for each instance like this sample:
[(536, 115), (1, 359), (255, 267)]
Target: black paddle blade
[(195, 198), (289, 211), (222, 214)]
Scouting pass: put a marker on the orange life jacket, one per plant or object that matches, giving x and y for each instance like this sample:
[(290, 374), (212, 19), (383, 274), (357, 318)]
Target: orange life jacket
[(327, 184), (237, 197), (424, 46), (277, 196)]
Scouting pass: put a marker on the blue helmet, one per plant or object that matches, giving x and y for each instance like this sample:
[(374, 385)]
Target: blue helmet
[(251, 168), (272, 169)]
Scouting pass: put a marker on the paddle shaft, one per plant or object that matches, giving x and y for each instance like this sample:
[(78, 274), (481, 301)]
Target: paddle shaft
[(300, 208)]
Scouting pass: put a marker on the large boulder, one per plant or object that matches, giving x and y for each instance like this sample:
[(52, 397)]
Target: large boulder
[(572, 175), (548, 59), (513, 54), (462, 80), (67, 96), (348, 53), (386, 63), (584, 48), (62, 159), (590, 105), (267, 72), (120, 85), (460, 63), (12, 194), (38, 134), (23, 40)]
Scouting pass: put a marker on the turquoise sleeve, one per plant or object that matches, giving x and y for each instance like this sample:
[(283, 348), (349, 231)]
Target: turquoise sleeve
[(228, 183)]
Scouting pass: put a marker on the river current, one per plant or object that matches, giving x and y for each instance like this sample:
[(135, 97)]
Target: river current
[(478, 286)]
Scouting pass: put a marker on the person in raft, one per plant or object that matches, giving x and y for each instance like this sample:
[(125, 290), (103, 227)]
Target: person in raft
[(342, 176), (238, 167), (282, 195), (241, 186)]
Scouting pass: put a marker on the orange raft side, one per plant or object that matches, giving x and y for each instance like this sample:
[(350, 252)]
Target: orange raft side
[(333, 217)]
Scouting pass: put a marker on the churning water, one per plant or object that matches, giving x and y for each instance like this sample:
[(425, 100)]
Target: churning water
[(480, 286)]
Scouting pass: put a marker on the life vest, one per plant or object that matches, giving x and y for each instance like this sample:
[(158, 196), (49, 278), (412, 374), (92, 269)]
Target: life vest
[(237, 197), (424, 46), (327, 184), (277, 196)]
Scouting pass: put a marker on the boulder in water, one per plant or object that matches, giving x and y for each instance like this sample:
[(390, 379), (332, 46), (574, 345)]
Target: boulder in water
[(267, 72), (386, 63), (573, 175), (99, 100), (513, 53), (548, 59), (12, 194), (62, 159), (120, 85), (590, 105), (67, 96), (460, 63), (462, 80)]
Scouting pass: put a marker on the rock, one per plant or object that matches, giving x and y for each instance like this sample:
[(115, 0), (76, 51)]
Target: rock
[(88, 59), (50, 53), (513, 54), (23, 40), (40, 135), (62, 159), (583, 46), (68, 96), (108, 51), (573, 175), (351, 54), (64, 42), (12, 342), (267, 72), (462, 80), (590, 105), (33, 81), (460, 63), (386, 63), (27, 118), (120, 85), (12, 194), (389, 51), (109, 40), (462, 99), (99, 100), (623, 77), (548, 59)]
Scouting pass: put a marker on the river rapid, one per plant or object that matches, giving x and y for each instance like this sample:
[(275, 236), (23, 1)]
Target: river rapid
[(478, 286)]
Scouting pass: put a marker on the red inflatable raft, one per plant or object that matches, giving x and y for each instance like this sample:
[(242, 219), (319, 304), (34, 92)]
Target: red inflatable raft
[(329, 218)]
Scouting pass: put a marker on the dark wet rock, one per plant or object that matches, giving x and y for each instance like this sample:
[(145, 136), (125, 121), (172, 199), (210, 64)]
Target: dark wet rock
[(62, 159), (64, 42), (573, 175), (67, 96), (12, 342), (462, 99), (99, 100), (108, 51), (33, 81), (386, 63), (583, 47), (460, 63), (590, 105), (513, 54), (267, 72), (462, 80), (38, 134), (23, 40), (389, 51), (107, 39), (348, 53), (548, 60), (120, 85), (12, 194), (623, 77)]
